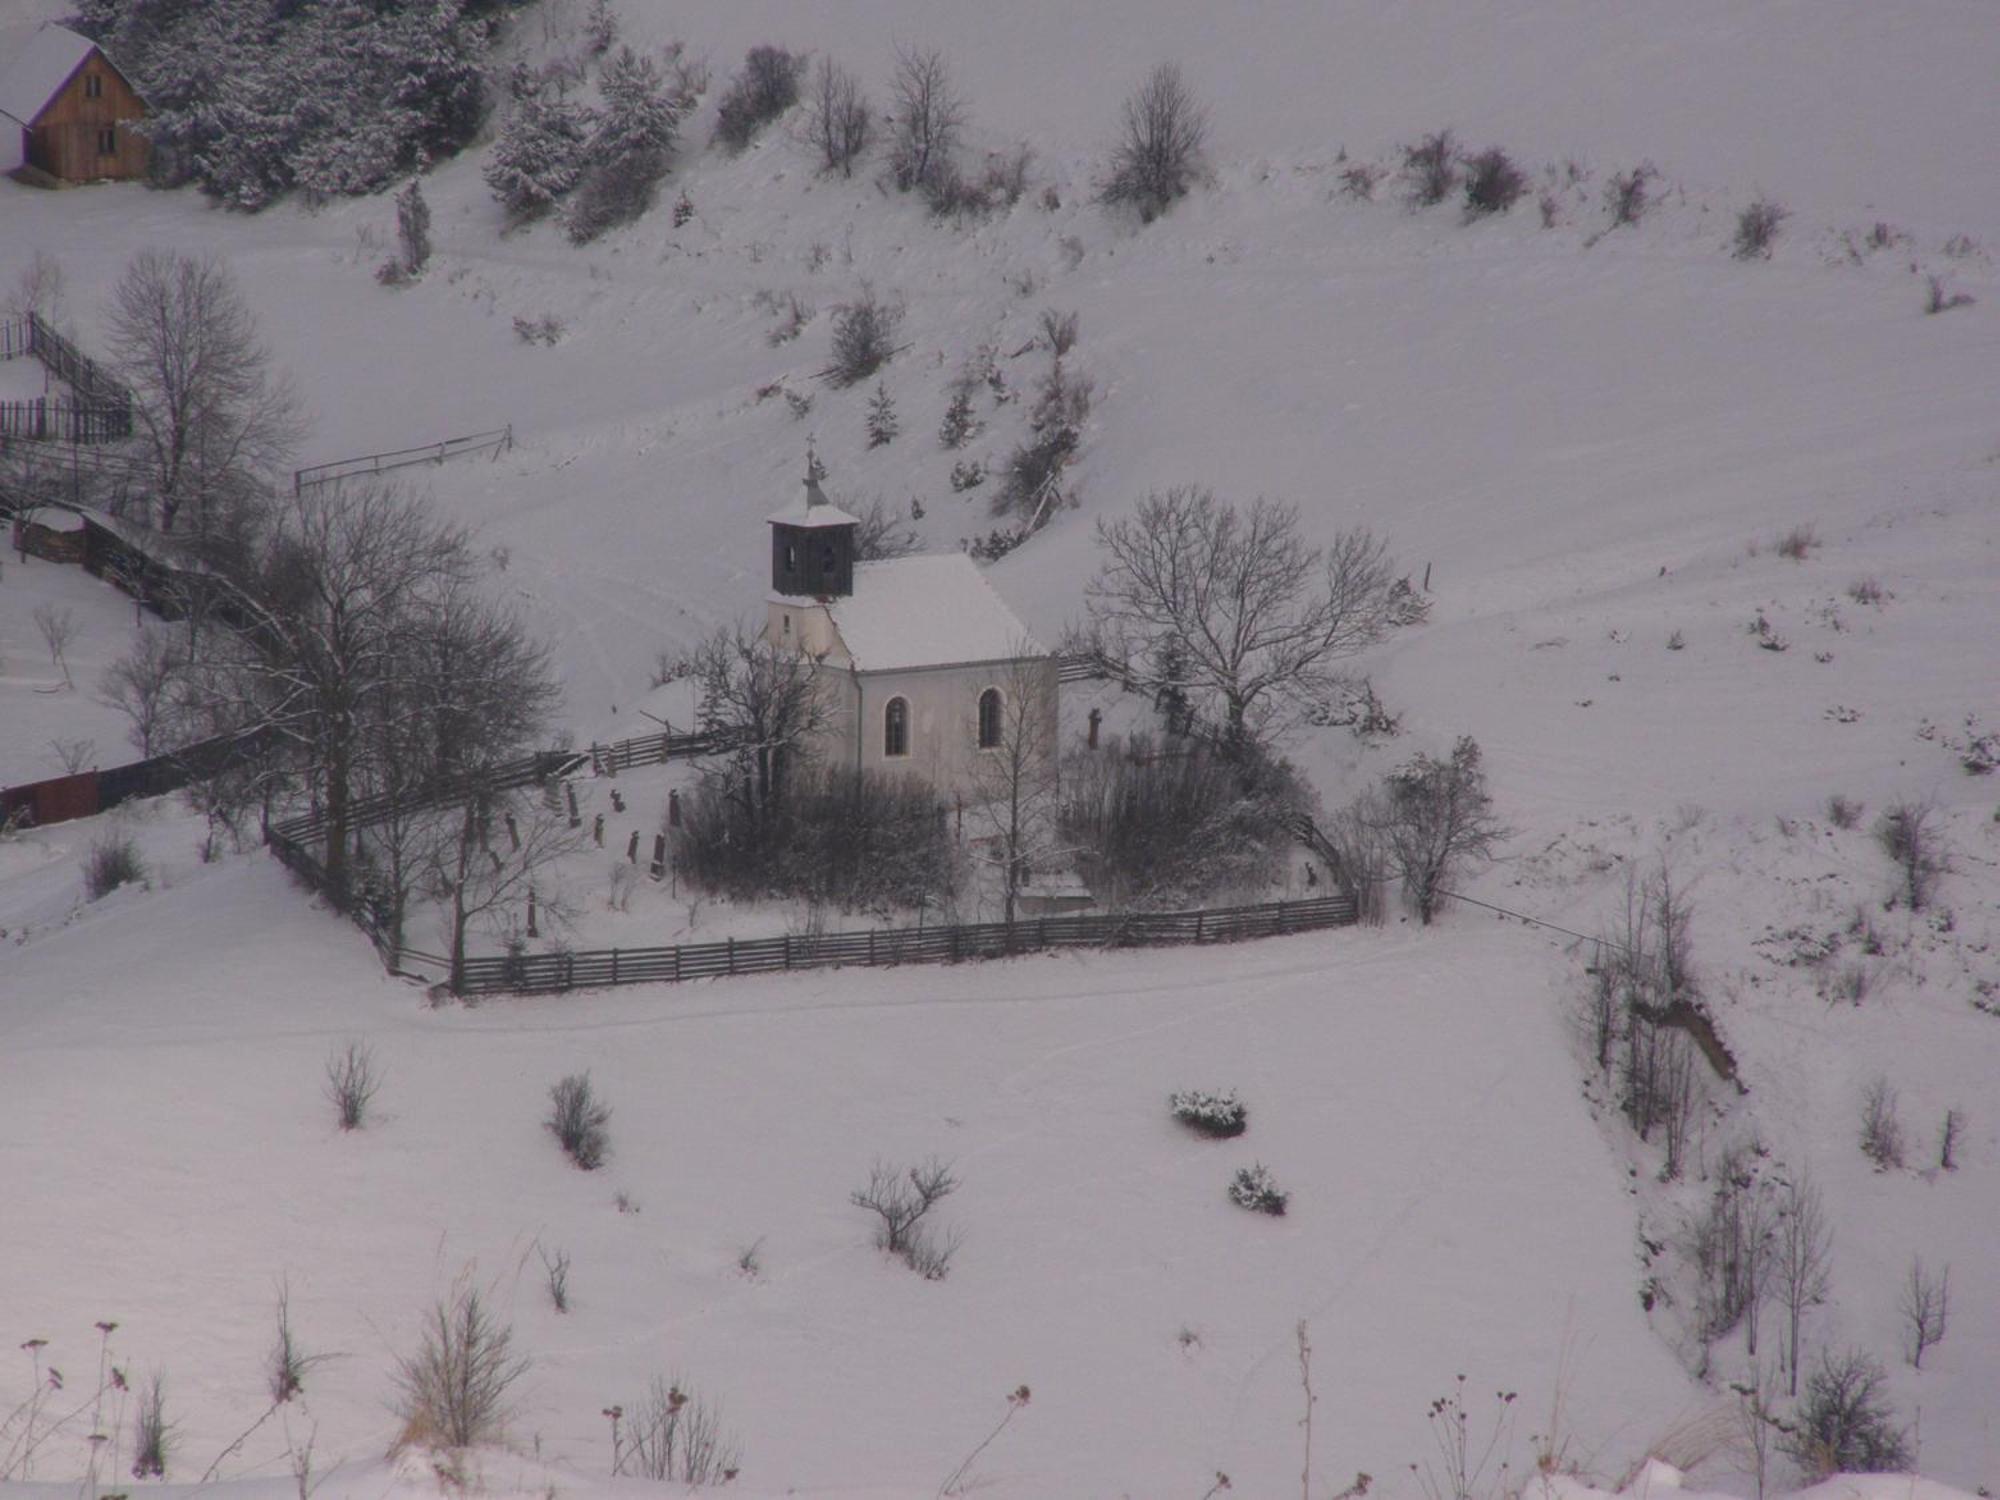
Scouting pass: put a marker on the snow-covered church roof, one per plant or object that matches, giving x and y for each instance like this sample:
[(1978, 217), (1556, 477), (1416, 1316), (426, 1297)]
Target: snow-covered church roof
[(812, 508), (932, 611), (36, 61)]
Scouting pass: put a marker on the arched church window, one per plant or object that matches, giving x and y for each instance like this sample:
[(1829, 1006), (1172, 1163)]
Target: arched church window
[(896, 727)]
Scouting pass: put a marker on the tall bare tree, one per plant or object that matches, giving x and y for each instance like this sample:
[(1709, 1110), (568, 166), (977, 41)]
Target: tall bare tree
[(1015, 796), (770, 704), (1254, 617), (141, 685), (360, 644), (215, 419), (837, 117), (928, 115), (1161, 132), (487, 858), (1803, 1265)]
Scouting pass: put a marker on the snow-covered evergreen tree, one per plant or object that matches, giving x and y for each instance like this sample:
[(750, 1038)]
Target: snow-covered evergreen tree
[(254, 99), (539, 156), (882, 424), (959, 423), (631, 148)]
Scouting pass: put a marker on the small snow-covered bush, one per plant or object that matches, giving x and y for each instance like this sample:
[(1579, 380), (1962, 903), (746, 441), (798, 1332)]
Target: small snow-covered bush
[(452, 1393), (1360, 180), (1843, 811), (900, 1198), (765, 89), (1254, 1188), (1430, 168), (1756, 228), (1493, 184), (578, 1118), (1881, 1126), (677, 1436), (1798, 543), (1937, 299), (1629, 194), (1221, 1115), (352, 1080), (113, 861), (1844, 1424), (864, 337), (152, 1434)]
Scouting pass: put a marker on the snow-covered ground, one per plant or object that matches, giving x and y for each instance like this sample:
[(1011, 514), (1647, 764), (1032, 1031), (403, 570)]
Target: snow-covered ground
[(1591, 442)]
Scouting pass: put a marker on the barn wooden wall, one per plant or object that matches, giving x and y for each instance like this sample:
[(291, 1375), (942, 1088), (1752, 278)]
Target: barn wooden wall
[(64, 139)]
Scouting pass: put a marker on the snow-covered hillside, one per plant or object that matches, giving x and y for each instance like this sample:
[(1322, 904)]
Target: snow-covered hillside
[(1590, 440)]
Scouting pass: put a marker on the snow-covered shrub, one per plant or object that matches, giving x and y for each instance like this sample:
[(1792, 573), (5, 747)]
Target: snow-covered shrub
[(1757, 229), (1881, 1126), (1844, 1424), (1254, 1188), (1221, 1115), (967, 474), (1798, 543), (1360, 179), (1430, 169), (1843, 811), (767, 86), (152, 1434), (1493, 184), (675, 1435), (1937, 299), (1161, 130), (1905, 833), (112, 861), (858, 840), (1629, 194), (900, 1198), (577, 1118), (1160, 826), (452, 1393), (864, 336), (352, 1081)]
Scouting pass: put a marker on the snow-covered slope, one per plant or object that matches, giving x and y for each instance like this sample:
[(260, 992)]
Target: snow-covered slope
[(1590, 441)]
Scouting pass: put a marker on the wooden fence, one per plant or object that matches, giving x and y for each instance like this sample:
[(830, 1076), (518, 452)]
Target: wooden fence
[(656, 749), (41, 420), (541, 973), (500, 440), (92, 383)]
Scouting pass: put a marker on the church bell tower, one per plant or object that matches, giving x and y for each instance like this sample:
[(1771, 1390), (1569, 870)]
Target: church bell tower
[(812, 545)]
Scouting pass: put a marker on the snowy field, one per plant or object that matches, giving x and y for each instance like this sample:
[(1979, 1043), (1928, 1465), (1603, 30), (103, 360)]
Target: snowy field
[(1592, 442)]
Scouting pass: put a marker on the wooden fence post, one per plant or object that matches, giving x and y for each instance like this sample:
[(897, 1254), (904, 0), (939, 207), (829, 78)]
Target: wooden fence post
[(732, 957), (614, 965)]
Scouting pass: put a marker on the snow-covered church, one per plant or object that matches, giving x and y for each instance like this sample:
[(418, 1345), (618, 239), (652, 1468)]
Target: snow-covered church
[(927, 670)]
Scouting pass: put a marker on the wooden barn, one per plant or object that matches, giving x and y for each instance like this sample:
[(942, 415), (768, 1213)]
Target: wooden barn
[(66, 111)]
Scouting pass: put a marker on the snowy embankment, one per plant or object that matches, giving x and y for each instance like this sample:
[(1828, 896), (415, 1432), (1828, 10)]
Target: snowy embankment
[(1592, 443)]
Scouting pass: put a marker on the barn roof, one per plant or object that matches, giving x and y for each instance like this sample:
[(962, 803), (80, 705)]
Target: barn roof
[(910, 612), (36, 61)]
